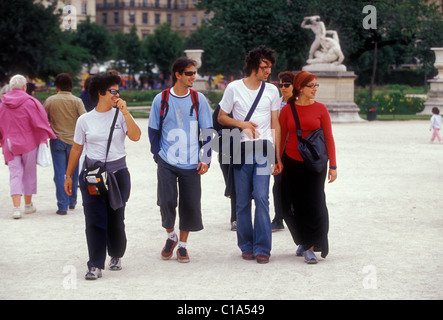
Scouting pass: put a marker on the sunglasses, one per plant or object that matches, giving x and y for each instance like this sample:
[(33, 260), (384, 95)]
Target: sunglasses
[(189, 73), (114, 91), (286, 85), (312, 86)]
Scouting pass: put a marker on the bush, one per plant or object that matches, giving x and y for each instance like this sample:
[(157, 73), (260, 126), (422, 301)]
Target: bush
[(394, 102)]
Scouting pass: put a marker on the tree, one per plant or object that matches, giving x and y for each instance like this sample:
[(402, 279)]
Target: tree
[(95, 39), (239, 26), (128, 51), (29, 38), (163, 48)]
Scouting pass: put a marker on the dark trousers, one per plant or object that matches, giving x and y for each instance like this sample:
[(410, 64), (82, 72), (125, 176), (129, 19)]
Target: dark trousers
[(304, 205), (188, 195), (105, 227), (225, 170)]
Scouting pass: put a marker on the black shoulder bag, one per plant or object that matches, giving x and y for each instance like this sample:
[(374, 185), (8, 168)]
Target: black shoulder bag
[(312, 148), (226, 141), (96, 176)]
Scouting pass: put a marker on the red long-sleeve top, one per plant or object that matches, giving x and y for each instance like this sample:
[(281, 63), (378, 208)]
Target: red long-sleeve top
[(311, 117)]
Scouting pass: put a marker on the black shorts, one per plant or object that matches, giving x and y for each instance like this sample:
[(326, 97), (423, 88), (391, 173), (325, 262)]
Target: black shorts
[(187, 192)]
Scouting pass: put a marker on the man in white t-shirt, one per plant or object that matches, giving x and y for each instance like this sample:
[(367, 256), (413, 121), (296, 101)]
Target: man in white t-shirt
[(251, 178)]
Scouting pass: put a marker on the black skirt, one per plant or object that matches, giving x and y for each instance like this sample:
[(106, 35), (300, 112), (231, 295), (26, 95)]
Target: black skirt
[(304, 205)]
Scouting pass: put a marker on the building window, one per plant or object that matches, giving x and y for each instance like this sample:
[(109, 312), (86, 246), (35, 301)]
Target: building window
[(169, 18), (145, 3), (132, 18), (116, 3), (194, 20), (145, 18), (115, 17), (169, 4), (105, 18), (157, 18), (132, 3), (182, 20), (84, 8), (157, 3)]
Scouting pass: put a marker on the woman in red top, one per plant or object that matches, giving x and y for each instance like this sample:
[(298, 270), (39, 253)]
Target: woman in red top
[(306, 214)]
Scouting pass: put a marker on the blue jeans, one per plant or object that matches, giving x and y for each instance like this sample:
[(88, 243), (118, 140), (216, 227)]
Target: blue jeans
[(252, 182), (60, 155)]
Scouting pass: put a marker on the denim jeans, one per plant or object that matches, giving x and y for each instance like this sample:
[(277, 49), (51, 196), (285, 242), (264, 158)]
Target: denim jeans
[(252, 182), (60, 155)]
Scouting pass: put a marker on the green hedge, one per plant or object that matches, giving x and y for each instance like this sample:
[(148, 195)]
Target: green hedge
[(389, 103)]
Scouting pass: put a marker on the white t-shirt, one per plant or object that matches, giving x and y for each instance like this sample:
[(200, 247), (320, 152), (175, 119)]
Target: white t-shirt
[(92, 132), (239, 99), (436, 121)]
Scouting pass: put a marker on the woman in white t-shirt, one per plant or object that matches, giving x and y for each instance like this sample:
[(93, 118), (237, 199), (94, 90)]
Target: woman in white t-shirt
[(104, 213)]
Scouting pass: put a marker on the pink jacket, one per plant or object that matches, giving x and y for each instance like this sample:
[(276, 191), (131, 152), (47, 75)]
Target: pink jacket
[(23, 121)]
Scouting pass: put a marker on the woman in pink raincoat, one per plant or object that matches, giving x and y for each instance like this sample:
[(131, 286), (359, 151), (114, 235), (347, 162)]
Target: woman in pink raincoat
[(23, 126)]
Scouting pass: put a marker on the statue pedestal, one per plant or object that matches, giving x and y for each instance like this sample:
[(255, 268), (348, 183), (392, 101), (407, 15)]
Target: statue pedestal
[(199, 82), (435, 94), (336, 91)]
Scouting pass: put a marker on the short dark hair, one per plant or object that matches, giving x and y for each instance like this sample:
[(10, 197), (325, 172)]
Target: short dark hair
[(255, 57), (286, 76), (100, 83), (435, 110), (180, 65), (63, 81)]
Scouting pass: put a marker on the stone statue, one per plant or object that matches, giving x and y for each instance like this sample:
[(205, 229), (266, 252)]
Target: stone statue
[(330, 51), (326, 46), (318, 27)]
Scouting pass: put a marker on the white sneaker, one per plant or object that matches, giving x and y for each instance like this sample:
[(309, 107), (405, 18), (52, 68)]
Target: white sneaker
[(16, 213), (115, 264), (30, 208), (93, 273)]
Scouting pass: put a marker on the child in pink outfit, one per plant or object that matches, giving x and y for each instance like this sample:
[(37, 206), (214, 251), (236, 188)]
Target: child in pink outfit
[(435, 127)]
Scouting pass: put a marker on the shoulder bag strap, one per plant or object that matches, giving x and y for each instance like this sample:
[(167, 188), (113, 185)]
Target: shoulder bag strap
[(257, 99), (110, 134), (298, 129)]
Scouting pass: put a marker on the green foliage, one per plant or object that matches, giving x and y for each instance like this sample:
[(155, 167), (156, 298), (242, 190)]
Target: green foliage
[(29, 38), (128, 51), (95, 39), (138, 95), (389, 102), (163, 48)]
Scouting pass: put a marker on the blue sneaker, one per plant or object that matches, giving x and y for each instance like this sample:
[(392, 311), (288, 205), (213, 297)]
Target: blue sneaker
[(310, 257), (300, 251)]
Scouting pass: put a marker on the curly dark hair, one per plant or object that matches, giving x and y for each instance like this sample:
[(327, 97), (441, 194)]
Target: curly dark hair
[(100, 83), (255, 56)]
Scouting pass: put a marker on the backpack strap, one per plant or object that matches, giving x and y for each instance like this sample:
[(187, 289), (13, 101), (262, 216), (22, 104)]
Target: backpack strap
[(195, 103), (164, 109)]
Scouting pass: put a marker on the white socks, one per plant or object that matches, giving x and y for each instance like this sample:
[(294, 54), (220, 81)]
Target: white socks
[(172, 235)]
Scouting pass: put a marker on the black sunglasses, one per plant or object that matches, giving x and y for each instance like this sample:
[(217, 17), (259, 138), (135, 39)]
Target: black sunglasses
[(286, 85), (114, 91), (189, 73)]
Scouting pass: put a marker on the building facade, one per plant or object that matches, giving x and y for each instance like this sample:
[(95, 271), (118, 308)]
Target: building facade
[(147, 15)]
